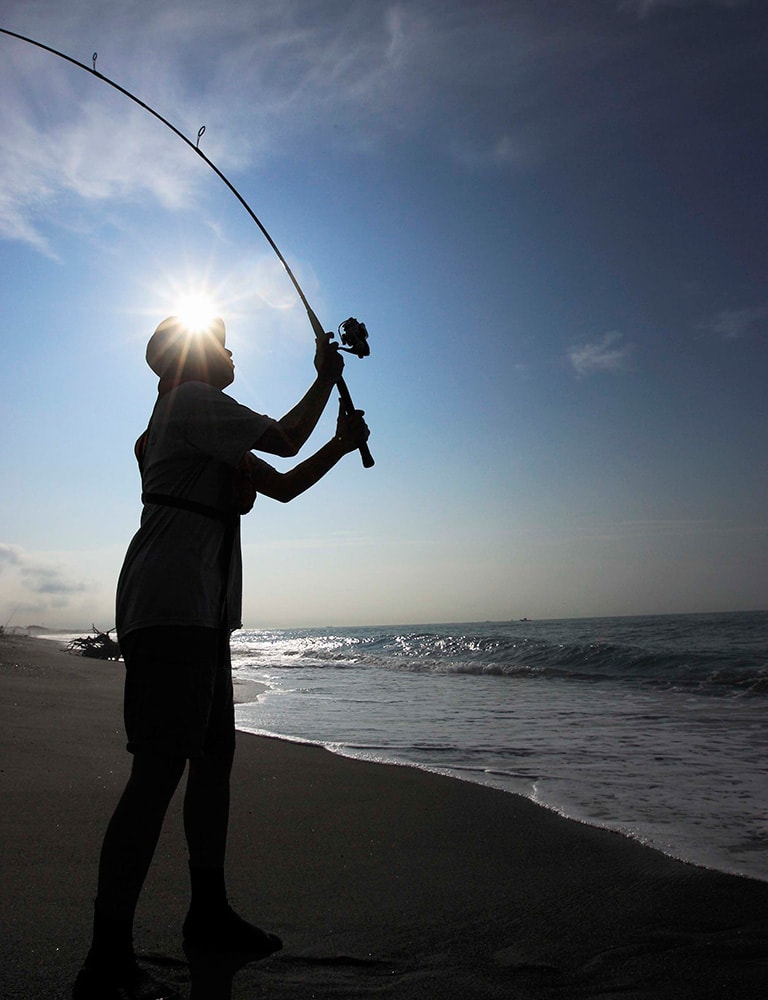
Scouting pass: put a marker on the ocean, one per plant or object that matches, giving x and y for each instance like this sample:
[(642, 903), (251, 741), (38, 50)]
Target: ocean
[(652, 726)]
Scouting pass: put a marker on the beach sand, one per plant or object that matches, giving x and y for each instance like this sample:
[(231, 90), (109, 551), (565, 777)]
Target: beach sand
[(382, 881)]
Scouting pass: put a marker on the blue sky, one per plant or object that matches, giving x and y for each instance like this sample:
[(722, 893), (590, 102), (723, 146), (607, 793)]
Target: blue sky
[(552, 219)]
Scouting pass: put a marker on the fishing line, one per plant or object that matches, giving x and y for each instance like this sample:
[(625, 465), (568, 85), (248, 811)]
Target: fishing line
[(353, 334)]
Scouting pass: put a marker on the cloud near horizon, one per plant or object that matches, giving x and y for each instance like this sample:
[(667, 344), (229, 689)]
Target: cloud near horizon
[(10, 555), (27, 576)]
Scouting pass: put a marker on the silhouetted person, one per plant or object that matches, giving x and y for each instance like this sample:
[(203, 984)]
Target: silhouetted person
[(178, 598)]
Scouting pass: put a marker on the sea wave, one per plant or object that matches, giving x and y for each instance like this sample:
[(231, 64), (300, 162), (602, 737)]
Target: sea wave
[(504, 651)]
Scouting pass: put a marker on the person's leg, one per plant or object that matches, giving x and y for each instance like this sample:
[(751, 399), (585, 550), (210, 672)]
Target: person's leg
[(127, 851), (166, 707), (206, 802), (206, 819), (211, 923), (133, 832), (206, 809)]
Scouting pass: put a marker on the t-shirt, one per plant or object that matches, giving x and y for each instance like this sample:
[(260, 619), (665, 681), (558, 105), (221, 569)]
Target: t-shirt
[(172, 572)]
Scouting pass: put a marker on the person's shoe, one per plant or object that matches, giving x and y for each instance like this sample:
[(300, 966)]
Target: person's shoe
[(226, 931), (130, 983)]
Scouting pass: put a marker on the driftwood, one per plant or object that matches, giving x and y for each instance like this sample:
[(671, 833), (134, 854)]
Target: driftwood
[(98, 647)]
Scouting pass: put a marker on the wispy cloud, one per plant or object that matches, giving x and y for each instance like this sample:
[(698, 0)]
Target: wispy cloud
[(488, 84), (278, 78), (735, 324), (87, 157), (608, 354), (645, 7), (260, 76)]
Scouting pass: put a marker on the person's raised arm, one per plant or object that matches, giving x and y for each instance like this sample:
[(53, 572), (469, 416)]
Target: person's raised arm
[(351, 432), (286, 437)]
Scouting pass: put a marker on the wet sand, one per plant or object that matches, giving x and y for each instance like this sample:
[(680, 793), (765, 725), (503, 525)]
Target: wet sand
[(382, 881)]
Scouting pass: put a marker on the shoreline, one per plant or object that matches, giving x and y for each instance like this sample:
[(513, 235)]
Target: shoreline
[(381, 880), (248, 691), (454, 774)]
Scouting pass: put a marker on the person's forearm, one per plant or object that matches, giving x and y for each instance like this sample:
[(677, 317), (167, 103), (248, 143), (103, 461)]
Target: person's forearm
[(299, 422), (285, 486), (289, 434)]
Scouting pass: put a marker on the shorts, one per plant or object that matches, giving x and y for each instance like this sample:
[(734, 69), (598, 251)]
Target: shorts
[(178, 691)]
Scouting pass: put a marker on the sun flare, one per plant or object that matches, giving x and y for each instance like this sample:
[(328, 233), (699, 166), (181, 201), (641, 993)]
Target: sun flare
[(196, 310)]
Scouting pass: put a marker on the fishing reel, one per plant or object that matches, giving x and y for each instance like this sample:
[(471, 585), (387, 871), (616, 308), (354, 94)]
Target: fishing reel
[(355, 336)]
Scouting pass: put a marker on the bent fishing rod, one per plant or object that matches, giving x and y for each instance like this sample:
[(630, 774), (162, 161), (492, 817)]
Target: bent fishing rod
[(353, 334)]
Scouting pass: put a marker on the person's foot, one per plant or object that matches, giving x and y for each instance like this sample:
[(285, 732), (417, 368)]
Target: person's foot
[(226, 931), (130, 983)]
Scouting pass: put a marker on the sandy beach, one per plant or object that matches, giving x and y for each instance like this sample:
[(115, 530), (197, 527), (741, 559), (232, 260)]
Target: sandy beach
[(382, 881)]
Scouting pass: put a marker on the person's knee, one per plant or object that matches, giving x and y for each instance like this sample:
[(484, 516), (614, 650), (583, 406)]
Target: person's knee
[(211, 767), (157, 773)]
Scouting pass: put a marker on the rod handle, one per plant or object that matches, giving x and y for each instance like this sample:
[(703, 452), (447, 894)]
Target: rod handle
[(349, 407)]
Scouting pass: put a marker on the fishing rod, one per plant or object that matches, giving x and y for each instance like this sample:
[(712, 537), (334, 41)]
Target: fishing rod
[(353, 334)]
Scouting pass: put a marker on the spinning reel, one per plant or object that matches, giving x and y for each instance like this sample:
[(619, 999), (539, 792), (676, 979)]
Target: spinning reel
[(355, 336)]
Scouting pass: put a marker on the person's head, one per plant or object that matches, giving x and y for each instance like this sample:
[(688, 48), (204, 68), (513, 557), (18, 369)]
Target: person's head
[(176, 353)]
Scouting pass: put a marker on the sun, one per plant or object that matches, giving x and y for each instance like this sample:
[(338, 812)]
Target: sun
[(196, 310)]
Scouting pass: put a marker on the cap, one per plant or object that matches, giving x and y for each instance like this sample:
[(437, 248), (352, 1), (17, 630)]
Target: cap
[(173, 344)]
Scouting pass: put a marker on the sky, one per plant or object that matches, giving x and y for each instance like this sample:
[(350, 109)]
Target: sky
[(552, 218)]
